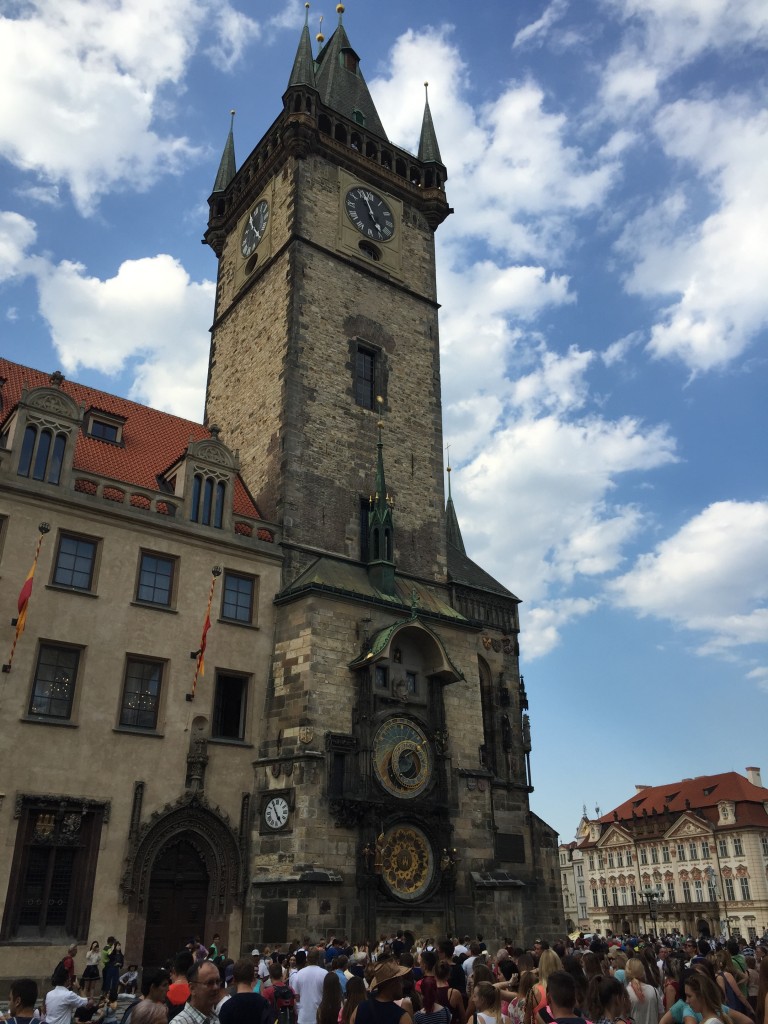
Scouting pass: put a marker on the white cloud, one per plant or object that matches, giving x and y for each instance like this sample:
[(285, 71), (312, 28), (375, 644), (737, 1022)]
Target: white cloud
[(711, 577), (17, 234), (715, 269), (81, 86), (539, 28), (662, 37), (149, 314), (542, 625), (759, 676)]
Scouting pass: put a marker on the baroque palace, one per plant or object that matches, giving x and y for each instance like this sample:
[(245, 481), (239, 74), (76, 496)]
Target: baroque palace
[(689, 856), (259, 687)]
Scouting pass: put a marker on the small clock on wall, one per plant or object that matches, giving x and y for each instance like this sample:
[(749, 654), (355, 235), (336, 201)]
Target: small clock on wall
[(276, 810)]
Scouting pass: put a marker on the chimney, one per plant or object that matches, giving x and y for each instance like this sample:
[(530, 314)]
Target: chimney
[(639, 788), (753, 774)]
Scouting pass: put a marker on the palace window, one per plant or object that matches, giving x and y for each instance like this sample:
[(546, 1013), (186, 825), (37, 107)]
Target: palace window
[(623, 895), (730, 891), (365, 377), (614, 896), (592, 856), (693, 851), (619, 859), (764, 844), (141, 694), (53, 688), (611, 863), (744, 882), (705, 849), (600, 861), (712, 887), (632, 894), (686, 892), (722, 847), (738, 848), (52, 873), (629, 859), (665, 854), (42, 454), (75, 561), (643, 855), (156, 575), (229, 705), (604, 894), (208, 496), (655, 854), (237, 597), (671, 892), (698, 889), (681, 851), (595, 898)]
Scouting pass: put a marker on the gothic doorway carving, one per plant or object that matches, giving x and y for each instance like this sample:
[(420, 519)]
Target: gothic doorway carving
[(176, 902)]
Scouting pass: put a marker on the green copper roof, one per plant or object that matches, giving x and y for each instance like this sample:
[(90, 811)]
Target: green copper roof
[(429, 151), (352, 580), (303, 72), (378, 646), (228, 166), (341, 85)]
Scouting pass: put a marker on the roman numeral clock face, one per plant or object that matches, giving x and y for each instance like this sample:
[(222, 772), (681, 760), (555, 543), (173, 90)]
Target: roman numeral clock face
[(370, 214), (254, 228), (276, 813)]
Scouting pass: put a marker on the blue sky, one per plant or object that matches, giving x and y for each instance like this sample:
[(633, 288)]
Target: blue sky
[(604, 282)]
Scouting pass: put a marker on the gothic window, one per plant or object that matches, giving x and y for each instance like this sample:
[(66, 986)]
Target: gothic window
[(141, 694), (54, 684), (365, 377), (208, 496), (42, 454), (54, 864), (381, 677), (156, 576), (410, 682), (75, 562), (229, 705), (237, 599)]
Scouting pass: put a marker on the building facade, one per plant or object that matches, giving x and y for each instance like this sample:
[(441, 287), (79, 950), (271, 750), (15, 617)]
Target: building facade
[(690, 856), (574, 887), (378, 774)]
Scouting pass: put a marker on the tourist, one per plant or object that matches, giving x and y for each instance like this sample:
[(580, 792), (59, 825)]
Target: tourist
[(61, 1001), (245, 1006), (331, 999), (386, 987), (21, 1001), (703, 996), (90, 978), (431, 1012), (645, 1001), (308, 986), (204, 990)]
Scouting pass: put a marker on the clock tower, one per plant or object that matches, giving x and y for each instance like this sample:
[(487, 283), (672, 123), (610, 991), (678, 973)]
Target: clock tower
[(391, 778)]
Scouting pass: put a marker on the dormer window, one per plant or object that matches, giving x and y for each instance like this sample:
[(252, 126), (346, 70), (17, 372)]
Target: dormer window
[(42, 454), (105, 427), (349, 60), (359, 117), (208, 501)]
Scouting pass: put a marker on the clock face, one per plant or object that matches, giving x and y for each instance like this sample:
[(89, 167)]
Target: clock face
[(402, 758), (407, 862), (276, 813), (370, 214), (254, 229)]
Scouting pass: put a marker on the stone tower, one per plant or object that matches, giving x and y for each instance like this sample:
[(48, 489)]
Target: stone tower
[(391, 781)]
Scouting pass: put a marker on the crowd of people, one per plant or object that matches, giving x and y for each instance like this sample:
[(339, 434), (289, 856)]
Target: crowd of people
[(613, 980)]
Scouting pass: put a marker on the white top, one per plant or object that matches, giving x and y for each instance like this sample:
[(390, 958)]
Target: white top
[(648, 1010), (60, 1004), (308, 986)]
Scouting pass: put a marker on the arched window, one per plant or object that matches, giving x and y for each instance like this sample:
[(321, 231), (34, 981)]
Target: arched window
[(340, 134), (208, 496), (196, 488), (324, 124), (218, 514), (27, 447), (42, 453)]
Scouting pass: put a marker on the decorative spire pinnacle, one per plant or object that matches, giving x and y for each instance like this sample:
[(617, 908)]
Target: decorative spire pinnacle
[(228, 165), (340, 12), (429, 151), (452, 529), (320, 37), (448, 470), (303, 71)]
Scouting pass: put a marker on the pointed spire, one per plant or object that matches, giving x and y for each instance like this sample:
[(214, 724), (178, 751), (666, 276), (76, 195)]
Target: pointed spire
[(303, 72), (429, 151), (381, 558), (340, 81), (228, 165), (452, 529)]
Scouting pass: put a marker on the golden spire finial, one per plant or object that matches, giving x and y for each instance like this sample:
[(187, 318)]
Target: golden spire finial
[(306, 13), (320, 37), (339, 10), (232, 119)]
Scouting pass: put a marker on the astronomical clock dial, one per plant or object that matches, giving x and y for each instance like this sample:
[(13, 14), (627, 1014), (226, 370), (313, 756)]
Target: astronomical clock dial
[(407, 862), (276, 813), (370, 214), (402, 758), (254, 228)]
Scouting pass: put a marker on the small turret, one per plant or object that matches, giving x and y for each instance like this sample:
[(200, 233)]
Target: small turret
[(303, 72), (228, 166), (429, 151)]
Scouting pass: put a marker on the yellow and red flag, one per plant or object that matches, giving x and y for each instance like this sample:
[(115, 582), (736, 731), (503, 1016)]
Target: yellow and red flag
[(24, 596), (200, 654)]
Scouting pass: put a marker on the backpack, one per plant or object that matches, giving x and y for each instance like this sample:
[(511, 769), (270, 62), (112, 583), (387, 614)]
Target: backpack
[(285, 1004)]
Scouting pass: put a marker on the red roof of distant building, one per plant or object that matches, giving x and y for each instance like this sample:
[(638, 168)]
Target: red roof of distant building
[(705, 791), (152, 440)]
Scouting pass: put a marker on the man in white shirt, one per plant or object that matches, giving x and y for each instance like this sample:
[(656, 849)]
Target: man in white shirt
[(61, 1002), (308, 986), (474, 953)]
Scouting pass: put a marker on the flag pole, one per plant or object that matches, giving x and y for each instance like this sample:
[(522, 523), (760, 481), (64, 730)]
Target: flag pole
[(199, 654), (24, 597)]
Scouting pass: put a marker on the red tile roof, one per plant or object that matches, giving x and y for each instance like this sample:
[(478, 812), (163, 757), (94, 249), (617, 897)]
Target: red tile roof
[(703, 792), (152, 440)]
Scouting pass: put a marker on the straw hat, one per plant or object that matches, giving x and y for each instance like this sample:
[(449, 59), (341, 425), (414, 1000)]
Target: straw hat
[(387, 971)]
